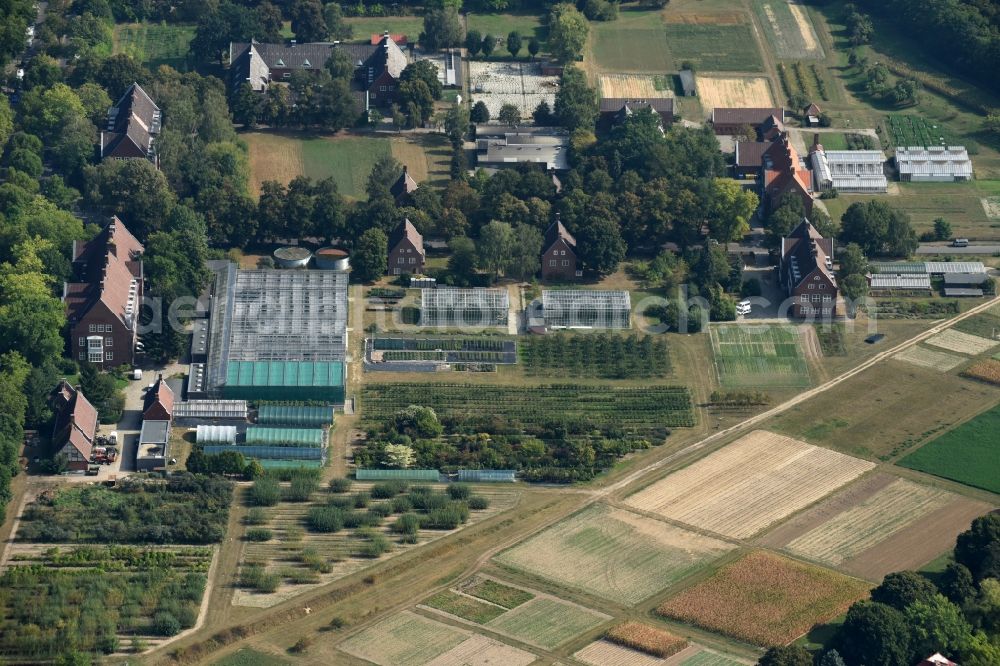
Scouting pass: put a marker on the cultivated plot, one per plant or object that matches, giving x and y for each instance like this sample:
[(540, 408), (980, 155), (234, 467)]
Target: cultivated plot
[(787, 29), (546, 622), (878, 525), (613, 554), (759, 356), (969, 454), (517, 83), (929, 358), (482, 651), (635, 86), (765, 600), (749, 485), (633, 43), (987, 370), (404, 639), (721, 92), (606, 653), (963, 343), (715, 47)]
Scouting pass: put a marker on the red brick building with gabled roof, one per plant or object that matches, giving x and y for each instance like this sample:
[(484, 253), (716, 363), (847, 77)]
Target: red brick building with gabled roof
[(102, 305), (406, 250), (158, 403), (75, 426), (785, 173), (403, 188), (559, 260), (133, 124), (806, 272), (726, 120)]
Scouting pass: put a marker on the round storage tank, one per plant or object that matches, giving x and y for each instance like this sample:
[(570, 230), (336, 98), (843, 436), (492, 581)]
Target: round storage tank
[(333, 259), (292, 257)]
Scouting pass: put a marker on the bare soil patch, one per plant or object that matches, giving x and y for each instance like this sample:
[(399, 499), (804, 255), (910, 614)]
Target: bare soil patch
[(736, 91), (634, 86)]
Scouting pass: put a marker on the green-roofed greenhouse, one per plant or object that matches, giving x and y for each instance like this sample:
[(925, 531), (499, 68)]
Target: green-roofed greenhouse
[(398, 475), (294, 415), (291, 437), (321, 381)]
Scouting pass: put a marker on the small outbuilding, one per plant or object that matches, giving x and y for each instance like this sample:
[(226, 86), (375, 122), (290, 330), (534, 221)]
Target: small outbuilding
[(687, 83), (154, 442), (158, 403)]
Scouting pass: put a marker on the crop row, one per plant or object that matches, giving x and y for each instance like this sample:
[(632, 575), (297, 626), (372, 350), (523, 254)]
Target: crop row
[(604, 355)]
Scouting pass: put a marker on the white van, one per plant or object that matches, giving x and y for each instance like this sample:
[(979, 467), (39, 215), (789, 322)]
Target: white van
[(743, 307)]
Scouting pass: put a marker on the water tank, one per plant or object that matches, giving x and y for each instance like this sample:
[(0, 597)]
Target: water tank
[(292, 257), (333, 259)]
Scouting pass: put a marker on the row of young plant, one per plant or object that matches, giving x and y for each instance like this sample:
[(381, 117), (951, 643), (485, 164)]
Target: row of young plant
[(602, 355)]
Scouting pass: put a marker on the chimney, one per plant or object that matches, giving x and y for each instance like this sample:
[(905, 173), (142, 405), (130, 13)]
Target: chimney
[(404, 169)]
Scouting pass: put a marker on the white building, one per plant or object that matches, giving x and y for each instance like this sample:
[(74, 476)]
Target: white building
[(937, 164), (853, 171)]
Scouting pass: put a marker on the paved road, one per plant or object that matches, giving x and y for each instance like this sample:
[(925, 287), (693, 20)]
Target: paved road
[(947, 249)]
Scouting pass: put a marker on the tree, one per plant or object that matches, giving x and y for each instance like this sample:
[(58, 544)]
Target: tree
[(732, 208), (854, 287), (417, 422), (906, 91), (936, 625), (247, 106), (463, 260), (134, 190), (31, 317), (878, 228), (338, 28), (46, 110), (534, 46), (370, 258), (942, 229), (902, 588), (399, 456), (978, 548), (852, 261), (120, 71), (956, 583), (96, 102), (480, 112), (426, 71), (99, 387), (43, 70), (600, 245), (495, 247), (6, 121), (509, 115), (831, 658), (789, 655), (873, 634), (442, 29), (576, 101), (384, 173), (526, 252), (473, 42), (514, 43), (568, 31), (542, 115), (308, 22), (489, 45)]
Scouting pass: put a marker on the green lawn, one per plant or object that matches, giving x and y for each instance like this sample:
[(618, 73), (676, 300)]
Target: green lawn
[(464, 607), (833, 141), (155, 44), (365, 26), (529, 25), (713, 48), (969, 454), (249, 657), (546, 622), (347, 160), (634, 43)]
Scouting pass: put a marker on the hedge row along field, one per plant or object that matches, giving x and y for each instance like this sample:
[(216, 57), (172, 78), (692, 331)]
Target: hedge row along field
[(969, 454), (765, 600), (596, 355)]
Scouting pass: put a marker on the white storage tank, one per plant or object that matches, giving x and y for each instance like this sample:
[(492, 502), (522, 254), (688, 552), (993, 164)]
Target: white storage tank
[(292, 257)]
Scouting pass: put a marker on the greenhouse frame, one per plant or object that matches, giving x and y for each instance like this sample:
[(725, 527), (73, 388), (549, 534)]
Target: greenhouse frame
[(295, 415), (450, 307), (487, 475), (215, 434), (210, 410), (321, 381), (286, 437), (431, 475), (270, 452), (585, 308)]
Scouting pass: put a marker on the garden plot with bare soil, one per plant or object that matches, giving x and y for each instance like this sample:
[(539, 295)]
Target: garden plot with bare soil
[(613, 554), (303, 558), (734, 91), (929, 358), (749, 484), (963, 343), (605, 653), (878, 525), (635, 86), (519, 83)]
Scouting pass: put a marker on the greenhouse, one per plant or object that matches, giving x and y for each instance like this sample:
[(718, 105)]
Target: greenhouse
[(431, 475), (290, 464), (583, 308), (295, 415), (449, 307), (271, 452), (210, 410), (214, 434), (487, 475), (286, 437), (321, 381)]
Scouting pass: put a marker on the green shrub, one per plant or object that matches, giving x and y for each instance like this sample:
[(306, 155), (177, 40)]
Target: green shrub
[(165, 624), (361, 500), (356, 519), (341, 502), (311, 558), (375, 546), (381, 509), (430, 501), (302, 487), (459, 491), (325, 519), (408, 523), (388, 489), (265, 491), (478, 503), (256, 516), (401, 504), (446, 518), (340, 485), (259, 534)]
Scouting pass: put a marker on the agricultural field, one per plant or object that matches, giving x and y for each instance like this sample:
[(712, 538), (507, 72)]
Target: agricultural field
[(963, 343), (250, 657), (445, 350), (602, 355), (635, 86), (613, 554), (985, 324), (749, 484), (408, 639), (633, 43), (851, 416), (904, 130), (787, 29), (799, 78), (718, 91), (929, 358), (759, 356), (969, 454), (987, 370), (315, 542), (546, 622), (764, 599), (155, 44), (646, 639), (103, 599), (641, 410), (719, 47), (877, 525), (605, 653)]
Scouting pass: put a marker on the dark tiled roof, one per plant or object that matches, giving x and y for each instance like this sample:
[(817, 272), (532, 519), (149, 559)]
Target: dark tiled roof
[(387, 57), (662, 105), (745, 116), (405, 229), (76, 419), (809, 249), (403, 185), (751, 153), (132, 124), (556, 231), (107, 265), (162, 394)]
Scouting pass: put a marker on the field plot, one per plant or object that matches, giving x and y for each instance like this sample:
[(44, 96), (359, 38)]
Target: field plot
[(303, 557), (528, 25), (912, 130), (546, 622), (985, 324), (765, 599), (404, 639), (963, 343), (154, 44), (605, 355), (635, 86), (991, 206), (759, 356), (969, 454), (717, 91), (606, 653), (749, 485), (634, 43), (985, 371), (788, 30), (878, 525), (929, 358), (710, 658), (250, 657), (714, 47), (517, 83), (482, 651), (613, 554), (646, 638)]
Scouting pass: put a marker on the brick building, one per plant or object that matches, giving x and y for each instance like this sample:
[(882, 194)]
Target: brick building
[(158, 403), (732, 120), (406, 250), (75, 426), (806, 272), (559, 254), (133, 125), (785, 173)]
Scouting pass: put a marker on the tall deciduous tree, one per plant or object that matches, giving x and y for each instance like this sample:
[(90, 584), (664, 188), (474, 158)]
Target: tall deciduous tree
[(732, 208), (874, 633), (514, 43), (31, 317), (568, 31), (576, 101), (370, 255), (495, 247), (442, 29), (599, 243)]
